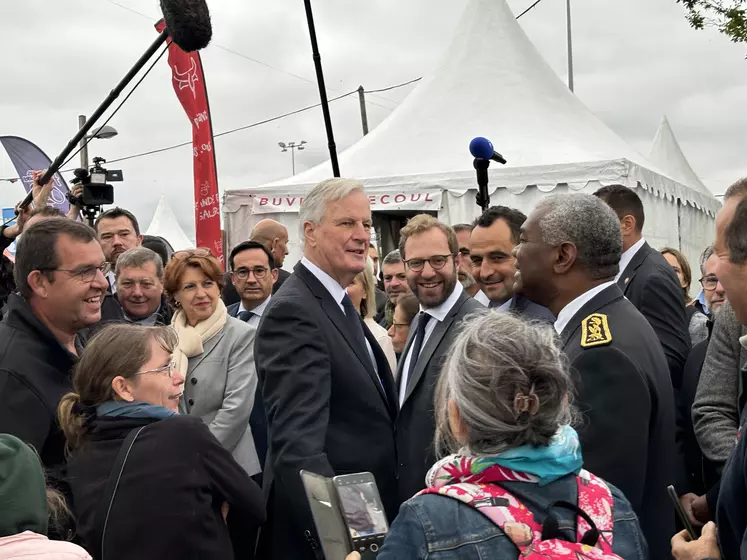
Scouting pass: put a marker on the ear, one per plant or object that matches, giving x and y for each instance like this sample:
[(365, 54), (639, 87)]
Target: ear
[(123, 388), (309, 232), (565, 258), (458, 429), (39, 283), (274, 275), (233, 278), (139, 239), (627, 225)]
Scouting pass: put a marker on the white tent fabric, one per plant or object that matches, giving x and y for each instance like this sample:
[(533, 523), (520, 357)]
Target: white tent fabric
[(491, 82), (164, 224), (667, 155)]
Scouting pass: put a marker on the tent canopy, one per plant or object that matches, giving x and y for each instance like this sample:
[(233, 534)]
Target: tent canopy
[(667, 155), (164, 224)]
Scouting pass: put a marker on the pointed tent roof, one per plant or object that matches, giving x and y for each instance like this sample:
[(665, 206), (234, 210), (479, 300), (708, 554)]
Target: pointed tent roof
[(491, 82), (668, 156), (164, 224)]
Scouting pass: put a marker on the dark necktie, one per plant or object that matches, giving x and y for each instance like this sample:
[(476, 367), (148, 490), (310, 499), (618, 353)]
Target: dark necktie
[(417, 344), (354, 322), (245, 316)]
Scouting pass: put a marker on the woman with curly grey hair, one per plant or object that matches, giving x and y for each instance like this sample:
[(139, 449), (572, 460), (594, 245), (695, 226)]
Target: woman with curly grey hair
[(511, 461)]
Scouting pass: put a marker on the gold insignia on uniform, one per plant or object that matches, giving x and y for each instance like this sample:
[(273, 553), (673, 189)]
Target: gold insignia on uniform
[(595, 331)]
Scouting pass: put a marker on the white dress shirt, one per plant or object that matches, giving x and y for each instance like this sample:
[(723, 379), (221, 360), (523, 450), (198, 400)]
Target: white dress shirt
[(256, 312), (627, 256), (338, 293), (481, 297), (567, 313), (437, 315)]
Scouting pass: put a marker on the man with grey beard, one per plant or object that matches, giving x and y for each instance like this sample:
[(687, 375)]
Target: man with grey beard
[(429, 251), (464, 265)]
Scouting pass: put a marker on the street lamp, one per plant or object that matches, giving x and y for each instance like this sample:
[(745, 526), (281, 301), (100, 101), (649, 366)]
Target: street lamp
[(102, 133), (292, 146)]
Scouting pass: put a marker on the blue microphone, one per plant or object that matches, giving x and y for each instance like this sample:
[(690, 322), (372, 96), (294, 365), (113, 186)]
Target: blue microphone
[(483, 148)]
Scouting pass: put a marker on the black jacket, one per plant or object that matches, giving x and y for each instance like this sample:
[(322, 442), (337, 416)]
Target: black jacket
[(34, 375), (626, 398), (169, 497), (327, 410), (731, 514), (415, 421), (649, 282), (229, 295)]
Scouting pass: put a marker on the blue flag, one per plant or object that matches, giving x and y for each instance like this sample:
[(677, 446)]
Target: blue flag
[(26, 157)]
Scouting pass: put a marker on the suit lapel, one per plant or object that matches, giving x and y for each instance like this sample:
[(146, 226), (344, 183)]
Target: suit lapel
[(208, 347), (603, 298), (384, 381), (336, 315), (626, 278), (408, 344)]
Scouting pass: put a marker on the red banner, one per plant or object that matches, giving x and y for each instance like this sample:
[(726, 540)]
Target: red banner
[(190, 88)]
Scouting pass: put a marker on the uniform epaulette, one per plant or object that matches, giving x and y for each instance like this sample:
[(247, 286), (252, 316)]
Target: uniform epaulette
[(595, 331)]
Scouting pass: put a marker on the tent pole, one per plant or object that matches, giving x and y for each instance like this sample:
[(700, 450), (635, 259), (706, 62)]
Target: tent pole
[(570, 44), (364, 115)]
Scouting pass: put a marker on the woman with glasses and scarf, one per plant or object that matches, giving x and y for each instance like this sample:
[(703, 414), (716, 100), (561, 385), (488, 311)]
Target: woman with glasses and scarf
[(503, 430), (148, 483), (215, 353)]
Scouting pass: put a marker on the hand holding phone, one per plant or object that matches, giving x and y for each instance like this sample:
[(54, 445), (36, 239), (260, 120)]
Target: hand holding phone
[(681, 512)]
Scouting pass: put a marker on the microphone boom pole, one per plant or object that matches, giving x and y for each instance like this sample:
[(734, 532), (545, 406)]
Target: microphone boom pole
[(322, 90), (113, 94)]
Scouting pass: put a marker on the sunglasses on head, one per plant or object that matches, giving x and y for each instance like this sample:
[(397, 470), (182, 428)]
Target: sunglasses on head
[(199, 252)]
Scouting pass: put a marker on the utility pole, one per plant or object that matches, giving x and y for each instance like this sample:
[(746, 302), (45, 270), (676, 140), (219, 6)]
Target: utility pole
[(570, 44), (292, 146), (83, 143), (364, 116)]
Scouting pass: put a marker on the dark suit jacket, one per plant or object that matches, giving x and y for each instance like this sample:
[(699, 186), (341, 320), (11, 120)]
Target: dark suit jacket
[(626, 398), (328, 411), (521, 305), (649, 282), (415, 424), (231, 297)]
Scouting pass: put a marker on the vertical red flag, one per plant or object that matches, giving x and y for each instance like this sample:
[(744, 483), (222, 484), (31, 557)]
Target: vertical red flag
[(190, 88)]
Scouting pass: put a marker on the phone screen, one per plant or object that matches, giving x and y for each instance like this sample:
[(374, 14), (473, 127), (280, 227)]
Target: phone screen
[(327, 517), (363, 510)]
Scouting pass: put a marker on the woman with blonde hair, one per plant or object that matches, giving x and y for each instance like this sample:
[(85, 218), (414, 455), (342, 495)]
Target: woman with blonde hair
[(215, 353), (362, 292), (148, 483)]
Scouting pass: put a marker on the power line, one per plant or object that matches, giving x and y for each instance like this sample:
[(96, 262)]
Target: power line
[(395, 87), (528, 9)]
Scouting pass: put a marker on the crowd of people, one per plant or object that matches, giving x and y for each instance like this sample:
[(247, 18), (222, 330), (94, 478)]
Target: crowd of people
[(493, 377)]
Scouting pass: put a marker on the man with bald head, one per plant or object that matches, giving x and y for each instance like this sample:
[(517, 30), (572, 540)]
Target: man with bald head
[(274, 236)]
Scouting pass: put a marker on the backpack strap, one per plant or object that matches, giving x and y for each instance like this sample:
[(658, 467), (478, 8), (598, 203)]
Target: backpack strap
[(595, 499), (498, 505), (110, 490)]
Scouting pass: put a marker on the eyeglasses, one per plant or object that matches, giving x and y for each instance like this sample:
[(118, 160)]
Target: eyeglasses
[(84, 274), (199, 252), (243, 273), (709, 283), (171, 369), (437, 262)]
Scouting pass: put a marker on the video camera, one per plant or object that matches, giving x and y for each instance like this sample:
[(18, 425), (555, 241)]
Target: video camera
[(96, 190)]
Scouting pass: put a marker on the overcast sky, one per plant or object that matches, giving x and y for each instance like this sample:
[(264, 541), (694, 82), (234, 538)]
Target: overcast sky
[(635, 60)]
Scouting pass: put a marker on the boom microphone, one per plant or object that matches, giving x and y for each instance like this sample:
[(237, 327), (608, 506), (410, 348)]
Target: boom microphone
[(188, 22), (483, 148), (188, 25)]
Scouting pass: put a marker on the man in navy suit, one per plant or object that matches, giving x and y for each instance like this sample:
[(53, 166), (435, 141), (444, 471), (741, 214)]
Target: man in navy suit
[(329, 394), (253, 274)]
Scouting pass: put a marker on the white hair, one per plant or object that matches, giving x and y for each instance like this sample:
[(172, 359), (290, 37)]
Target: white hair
[(315, 203)]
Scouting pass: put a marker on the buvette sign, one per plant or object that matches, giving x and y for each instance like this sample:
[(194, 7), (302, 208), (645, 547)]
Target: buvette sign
[(380, 202)]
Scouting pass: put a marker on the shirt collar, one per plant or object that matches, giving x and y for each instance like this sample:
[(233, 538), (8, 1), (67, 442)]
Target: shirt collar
[(259, 310), (628, 255), (441, 311), (568, 312), (333, 287)]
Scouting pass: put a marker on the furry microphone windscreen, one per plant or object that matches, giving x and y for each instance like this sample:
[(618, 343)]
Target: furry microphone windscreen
[(188, 22)]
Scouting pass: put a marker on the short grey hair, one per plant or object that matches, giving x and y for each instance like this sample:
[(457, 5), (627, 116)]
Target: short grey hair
[(707, 254), (314, 204), (138, 257), (392, 257), (590, 224), (487, 369)]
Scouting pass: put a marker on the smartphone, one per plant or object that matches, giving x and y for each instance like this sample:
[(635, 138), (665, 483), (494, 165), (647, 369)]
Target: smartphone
[(348, 514), (681, 512), (362, 511)]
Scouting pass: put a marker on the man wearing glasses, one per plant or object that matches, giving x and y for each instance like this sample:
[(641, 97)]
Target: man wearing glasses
[(429, 250), (253, 274), (60, 275)]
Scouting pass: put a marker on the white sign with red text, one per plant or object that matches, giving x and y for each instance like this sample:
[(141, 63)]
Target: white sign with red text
[(380, 202)]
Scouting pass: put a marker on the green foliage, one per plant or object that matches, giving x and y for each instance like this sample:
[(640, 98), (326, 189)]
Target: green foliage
[(728, 16)]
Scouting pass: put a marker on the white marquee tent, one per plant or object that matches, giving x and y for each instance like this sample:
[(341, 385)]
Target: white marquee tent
[(491, 82), (164, 224)]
